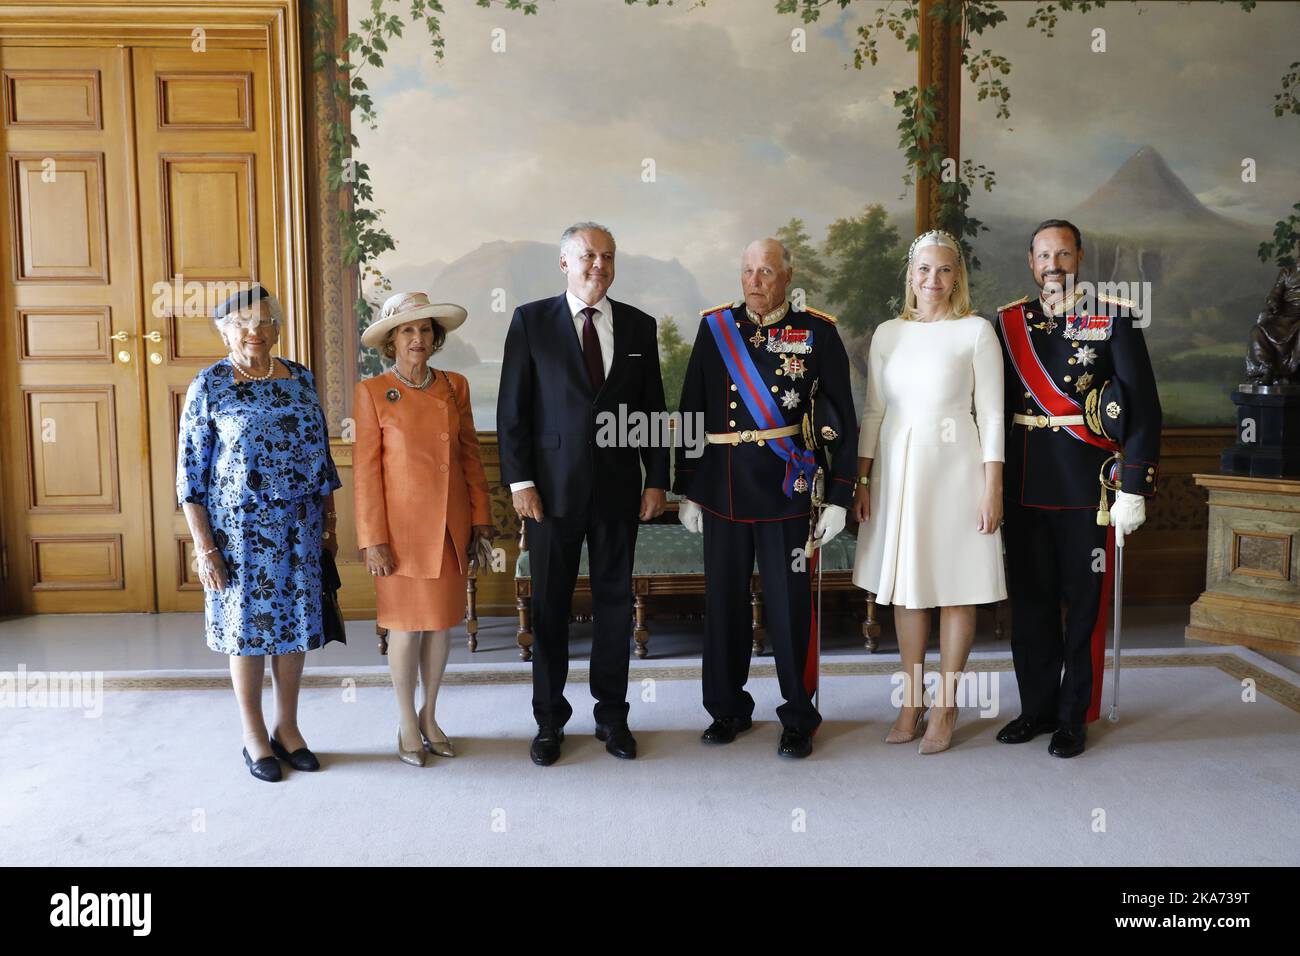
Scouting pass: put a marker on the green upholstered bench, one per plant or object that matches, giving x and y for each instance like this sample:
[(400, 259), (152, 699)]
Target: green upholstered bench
[(670, 561)]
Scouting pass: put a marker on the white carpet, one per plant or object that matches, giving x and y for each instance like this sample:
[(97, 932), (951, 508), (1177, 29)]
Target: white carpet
[(1190, 775)]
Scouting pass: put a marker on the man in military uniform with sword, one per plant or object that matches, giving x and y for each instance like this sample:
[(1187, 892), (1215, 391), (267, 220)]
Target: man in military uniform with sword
[(772, 382), (1084, 419)]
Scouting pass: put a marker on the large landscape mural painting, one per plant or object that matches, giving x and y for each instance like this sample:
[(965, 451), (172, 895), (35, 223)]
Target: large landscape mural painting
[(731, 133)]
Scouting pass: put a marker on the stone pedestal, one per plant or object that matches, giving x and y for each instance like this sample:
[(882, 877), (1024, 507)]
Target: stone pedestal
[(1252, 588), (1268, 432)]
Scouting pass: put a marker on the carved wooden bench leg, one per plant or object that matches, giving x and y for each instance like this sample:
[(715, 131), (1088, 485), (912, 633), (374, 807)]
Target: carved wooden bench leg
[(760, 634), (523, 604), (640, 633), (871, 627), (471, 612)]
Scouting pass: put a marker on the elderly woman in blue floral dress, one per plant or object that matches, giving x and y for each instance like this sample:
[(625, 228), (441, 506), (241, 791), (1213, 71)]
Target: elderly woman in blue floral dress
[(256, 481)]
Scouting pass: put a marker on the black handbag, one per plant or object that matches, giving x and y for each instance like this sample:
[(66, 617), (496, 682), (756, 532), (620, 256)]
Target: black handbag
[(331, 616)]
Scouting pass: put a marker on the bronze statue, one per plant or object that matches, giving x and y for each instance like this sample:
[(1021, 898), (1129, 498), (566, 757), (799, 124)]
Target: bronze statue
[(1273, 357)]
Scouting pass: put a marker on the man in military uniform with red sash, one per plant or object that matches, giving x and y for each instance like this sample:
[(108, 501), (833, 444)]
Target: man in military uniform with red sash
[(772, 383), (1082, 406)]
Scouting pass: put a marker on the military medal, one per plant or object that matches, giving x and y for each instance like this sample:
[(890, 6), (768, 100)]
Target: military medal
[(756, 339), (1084, 382), (1048, 326), (790, 398), (789, 340), (800, 484), (793, 366), (392, 394), (1084, 327), (1085, 355)]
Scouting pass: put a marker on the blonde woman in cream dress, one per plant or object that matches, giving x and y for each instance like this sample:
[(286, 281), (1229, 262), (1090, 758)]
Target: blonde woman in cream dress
[(931, 441)]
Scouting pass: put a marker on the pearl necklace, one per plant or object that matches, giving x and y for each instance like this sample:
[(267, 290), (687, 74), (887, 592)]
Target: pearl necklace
[(428, 377), (270, 370)]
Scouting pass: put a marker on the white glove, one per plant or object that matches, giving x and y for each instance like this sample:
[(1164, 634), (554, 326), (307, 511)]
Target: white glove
[(690, 515), (829, 525), (1127, 514)]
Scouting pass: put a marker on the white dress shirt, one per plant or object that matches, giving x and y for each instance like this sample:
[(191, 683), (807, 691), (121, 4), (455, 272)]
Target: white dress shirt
[(604, 322)]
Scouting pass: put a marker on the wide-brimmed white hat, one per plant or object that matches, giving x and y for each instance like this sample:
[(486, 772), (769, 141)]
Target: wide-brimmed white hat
[(404, 307)]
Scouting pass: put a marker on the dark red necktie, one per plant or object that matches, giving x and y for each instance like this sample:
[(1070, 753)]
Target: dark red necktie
[(591, 349)]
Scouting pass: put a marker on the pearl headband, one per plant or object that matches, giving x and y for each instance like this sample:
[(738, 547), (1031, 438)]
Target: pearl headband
[(935, 237)]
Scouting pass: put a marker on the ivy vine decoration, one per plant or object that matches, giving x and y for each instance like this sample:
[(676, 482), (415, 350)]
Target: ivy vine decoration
[(364, 237)]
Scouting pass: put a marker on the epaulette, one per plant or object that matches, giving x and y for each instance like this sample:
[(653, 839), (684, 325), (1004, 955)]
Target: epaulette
[(1116, 300), (820, 314), (717, 308), (1011, 305)]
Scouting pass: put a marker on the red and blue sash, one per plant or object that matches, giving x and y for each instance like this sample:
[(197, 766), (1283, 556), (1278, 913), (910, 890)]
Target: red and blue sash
[(757, 398)]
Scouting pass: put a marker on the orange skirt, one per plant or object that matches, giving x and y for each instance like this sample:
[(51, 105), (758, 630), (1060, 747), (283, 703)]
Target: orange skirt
[(423, 604)]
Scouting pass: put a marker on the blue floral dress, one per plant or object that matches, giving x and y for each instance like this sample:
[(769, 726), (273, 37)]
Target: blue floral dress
[(256, 456)]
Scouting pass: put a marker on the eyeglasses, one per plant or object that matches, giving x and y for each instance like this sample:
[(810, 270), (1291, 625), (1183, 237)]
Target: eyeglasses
[(250, 323)]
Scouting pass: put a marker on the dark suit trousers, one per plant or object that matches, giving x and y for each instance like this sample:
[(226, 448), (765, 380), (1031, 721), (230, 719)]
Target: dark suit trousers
[(1056, 555), (729, 550), (555, 548)]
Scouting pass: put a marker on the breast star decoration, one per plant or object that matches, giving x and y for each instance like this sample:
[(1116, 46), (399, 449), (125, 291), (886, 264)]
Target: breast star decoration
[(1084, 383), (793, 366), (1085, 355), (790, 398)]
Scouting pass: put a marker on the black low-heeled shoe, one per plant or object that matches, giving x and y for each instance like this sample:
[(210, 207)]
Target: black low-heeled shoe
[(268, 768), (300, 759)]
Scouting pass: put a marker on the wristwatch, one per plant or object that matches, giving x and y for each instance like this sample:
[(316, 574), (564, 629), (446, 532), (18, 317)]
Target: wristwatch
[(864, 480)]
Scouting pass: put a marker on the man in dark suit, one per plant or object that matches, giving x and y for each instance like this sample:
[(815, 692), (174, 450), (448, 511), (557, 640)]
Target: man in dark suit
[(568, 360)]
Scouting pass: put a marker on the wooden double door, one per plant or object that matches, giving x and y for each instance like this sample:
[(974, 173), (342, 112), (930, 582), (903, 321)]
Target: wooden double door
[(140, 182)]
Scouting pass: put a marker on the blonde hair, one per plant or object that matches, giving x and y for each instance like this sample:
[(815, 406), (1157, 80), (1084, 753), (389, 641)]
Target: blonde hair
[(959, 300)]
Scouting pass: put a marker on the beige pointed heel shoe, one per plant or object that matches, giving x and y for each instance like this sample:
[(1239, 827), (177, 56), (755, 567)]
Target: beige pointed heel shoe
[(414, 757), (437, 742), (939, 742), (896, 736)]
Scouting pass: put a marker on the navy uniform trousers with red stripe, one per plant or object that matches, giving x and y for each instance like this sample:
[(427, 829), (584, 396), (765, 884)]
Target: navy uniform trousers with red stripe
[(1060, 554), (730, 548)]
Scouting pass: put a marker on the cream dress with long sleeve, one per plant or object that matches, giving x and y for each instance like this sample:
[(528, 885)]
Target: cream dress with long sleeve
[(933, 417)]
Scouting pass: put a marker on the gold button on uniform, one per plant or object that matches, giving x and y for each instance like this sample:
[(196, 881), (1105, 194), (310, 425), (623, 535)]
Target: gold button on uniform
[(733, 386), (1027, 395), (775, 389), (1067, 378), (732, 424), (778, 371), (761, 442), (1073, 361), (733, 404)]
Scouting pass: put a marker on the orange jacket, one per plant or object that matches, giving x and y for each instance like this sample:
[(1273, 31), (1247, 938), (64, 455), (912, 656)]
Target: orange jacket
[(417, 471)]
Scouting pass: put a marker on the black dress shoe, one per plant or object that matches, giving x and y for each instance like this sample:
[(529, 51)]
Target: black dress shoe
[(300, 759), (1024, 729), (794, 744), (724, 729), (618, 740), (268, 768), (546, 746), (1068, 742)]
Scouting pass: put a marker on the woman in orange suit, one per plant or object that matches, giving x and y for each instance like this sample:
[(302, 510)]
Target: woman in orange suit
[(421, 502)]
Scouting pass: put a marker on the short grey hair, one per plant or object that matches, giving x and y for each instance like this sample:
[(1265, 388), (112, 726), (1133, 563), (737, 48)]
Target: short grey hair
[(786, 259), (567, 236)]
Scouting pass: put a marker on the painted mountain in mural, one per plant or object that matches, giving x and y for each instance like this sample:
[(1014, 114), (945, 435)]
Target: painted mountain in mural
[(523, 271), (1145, 196)]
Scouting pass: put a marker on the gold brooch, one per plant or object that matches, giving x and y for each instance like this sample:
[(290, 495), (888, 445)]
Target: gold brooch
[(392, 394)]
